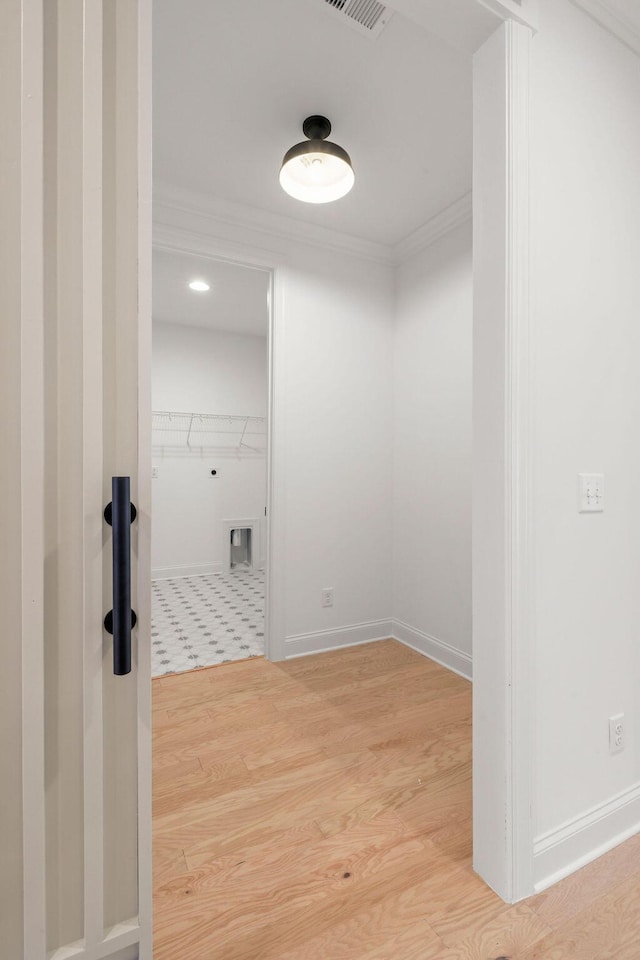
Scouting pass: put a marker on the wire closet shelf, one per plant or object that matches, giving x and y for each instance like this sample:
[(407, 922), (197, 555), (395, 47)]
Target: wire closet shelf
[(233, 434)]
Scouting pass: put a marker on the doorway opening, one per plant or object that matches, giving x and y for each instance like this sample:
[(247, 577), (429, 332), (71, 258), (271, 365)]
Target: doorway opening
[(377, 316), (295, 792), (210, 453)]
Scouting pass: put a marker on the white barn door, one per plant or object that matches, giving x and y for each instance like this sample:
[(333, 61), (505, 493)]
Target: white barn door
[(75, 250)]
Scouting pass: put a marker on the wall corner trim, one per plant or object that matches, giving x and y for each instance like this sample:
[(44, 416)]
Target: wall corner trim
[(578, 842), (453, 216), (603, 12), (443, 653)]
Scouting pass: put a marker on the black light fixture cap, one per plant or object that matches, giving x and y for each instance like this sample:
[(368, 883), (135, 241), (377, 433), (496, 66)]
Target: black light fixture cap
[(316, 127), (316, 146)]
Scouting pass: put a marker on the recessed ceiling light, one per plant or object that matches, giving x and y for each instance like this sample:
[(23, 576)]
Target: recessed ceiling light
[(200, 286), (316, 170)]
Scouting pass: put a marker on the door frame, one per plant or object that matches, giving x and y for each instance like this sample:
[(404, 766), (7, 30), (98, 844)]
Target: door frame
[(179, 241), (503, 562)]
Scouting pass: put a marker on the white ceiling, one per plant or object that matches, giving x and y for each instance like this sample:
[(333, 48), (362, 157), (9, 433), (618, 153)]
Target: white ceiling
[(621, 17), (236, 302), (628, 10), (233, 82)]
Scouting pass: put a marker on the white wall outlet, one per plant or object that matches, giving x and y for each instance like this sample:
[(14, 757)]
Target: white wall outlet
[(616, 733), (590, 492), (326, 597), (154, 473)]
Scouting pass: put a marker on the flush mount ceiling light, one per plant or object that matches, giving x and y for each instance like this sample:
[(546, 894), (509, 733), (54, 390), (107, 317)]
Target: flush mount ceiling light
[(200, 286), (316, 170)]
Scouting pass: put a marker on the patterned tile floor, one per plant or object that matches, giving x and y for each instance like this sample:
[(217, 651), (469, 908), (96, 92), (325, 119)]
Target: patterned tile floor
[(199, 621)]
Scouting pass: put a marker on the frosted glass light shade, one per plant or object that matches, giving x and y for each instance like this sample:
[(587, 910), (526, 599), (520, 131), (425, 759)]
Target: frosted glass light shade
[(316, 171)]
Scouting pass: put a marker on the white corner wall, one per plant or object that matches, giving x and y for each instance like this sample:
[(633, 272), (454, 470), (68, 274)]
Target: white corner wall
[(586, 256), (432, 451), (339, 352), (205, 371)]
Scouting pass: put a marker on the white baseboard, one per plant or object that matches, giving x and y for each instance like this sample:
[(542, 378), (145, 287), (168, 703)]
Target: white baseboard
[(437, 650), (576, 843), (187, 570), (323, 640)]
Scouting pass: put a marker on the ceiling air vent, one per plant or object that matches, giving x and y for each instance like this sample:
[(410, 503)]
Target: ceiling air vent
[(368, 17)]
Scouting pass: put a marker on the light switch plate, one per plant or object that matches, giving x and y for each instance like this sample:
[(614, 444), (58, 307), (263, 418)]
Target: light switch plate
[(590, 492)]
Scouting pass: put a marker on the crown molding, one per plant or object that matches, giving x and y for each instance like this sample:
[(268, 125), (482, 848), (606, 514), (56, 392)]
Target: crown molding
[(207, 244), (201, 217), (625, 29), (459, 212), (467, 24), (214, 216)]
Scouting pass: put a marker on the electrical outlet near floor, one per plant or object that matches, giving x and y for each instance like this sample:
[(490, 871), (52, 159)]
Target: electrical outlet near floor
[(616, 733), (326, 597)]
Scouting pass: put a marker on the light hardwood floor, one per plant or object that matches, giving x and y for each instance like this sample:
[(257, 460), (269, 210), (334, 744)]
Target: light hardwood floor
[(320, 809)]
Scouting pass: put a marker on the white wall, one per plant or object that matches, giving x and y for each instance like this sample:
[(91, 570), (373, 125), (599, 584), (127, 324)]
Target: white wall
[(197, 369), (343, 356), (432, 450), (586, 256), (205, 371), (336, 331), (338, 423)]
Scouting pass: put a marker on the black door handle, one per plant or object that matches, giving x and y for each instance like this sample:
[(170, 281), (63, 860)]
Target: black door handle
[(120, 514)]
